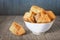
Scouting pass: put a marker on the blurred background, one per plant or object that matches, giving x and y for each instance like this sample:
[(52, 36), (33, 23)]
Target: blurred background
[(19, 7)]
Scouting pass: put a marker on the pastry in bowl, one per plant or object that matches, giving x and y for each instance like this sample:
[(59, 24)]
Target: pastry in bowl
[(42, 19)]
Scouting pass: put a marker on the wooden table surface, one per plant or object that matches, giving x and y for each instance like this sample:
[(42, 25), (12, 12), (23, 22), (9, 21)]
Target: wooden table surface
[(5, 34)]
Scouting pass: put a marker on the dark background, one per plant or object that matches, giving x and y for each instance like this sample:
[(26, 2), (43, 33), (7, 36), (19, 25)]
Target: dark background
[(19, 7)]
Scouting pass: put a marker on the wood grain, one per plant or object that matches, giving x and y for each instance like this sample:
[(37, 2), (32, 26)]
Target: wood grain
[(5, 34)]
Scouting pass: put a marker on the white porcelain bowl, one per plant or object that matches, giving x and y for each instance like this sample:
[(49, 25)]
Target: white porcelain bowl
[(38, 28)]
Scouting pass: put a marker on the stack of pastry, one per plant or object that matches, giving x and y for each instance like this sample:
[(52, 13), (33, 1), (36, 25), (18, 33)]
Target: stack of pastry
[(39, 15)]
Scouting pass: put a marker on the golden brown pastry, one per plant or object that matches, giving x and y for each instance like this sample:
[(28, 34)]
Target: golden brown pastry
[(46, 19), (51, 14), (39, 15), (26, 16), (29, 17), (42, 18), (17, 29), (36, 9)]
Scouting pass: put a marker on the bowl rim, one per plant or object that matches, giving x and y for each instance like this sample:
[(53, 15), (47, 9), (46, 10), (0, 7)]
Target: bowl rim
[(39, 23)]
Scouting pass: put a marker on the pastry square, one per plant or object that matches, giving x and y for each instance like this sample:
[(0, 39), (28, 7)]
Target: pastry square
[(17, 29), (28, 17), (51, 14)]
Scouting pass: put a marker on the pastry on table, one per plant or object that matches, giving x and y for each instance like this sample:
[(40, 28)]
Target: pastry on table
[(17, 29)]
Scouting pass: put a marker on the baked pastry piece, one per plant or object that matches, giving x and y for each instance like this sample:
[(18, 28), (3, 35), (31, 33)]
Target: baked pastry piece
[(17, 29), (29, 17), (26, 16), (43, 18), (36, 9), (46, 19), (39, 15), (51, 14)]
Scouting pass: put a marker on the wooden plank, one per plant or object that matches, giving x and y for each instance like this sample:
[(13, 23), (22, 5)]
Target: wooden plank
[(54, 32), (5, 34), (28, 35), (4, 26)]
